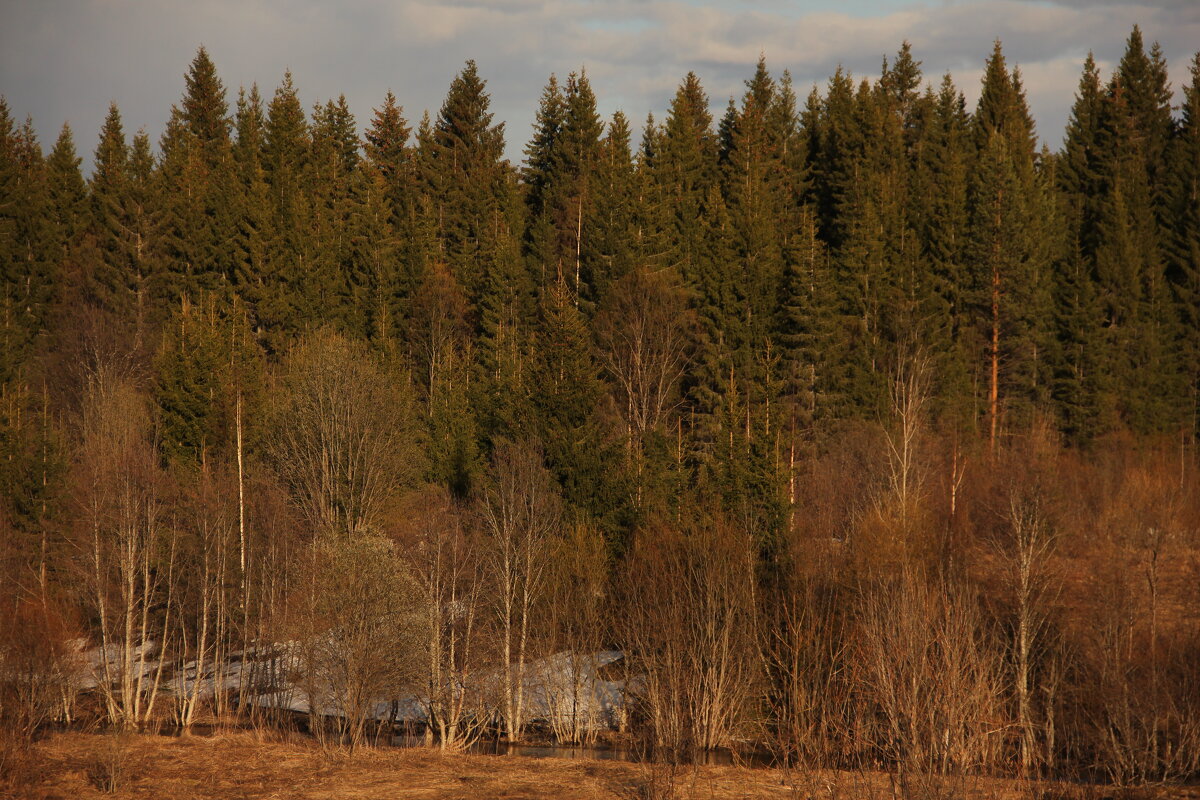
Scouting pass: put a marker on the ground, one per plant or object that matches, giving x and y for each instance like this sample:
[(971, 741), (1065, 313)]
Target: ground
[(78, 766)]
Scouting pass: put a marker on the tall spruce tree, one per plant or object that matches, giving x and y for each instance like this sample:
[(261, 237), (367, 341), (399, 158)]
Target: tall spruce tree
[(940, 181), (286, 146), (1084, 398), (613, 243), (196, 187), (1141, 328), (31, 244), (254, 215), (1182, 245), (1008, 212), (467, 186), (67, 189), (388, 150)]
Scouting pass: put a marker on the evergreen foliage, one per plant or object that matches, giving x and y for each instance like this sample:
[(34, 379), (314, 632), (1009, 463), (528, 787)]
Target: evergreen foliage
[(694, 311)]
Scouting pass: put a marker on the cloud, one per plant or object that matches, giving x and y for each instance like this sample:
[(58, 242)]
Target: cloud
[(66, 61)]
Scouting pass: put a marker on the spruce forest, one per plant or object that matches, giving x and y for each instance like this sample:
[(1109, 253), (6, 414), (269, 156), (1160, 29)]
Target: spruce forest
[(850, 426)]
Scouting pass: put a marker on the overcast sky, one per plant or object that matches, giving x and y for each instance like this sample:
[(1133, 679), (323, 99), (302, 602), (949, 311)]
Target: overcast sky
[(65, 60)]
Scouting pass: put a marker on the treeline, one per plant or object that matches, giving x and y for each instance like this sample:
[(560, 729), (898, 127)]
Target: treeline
[(844, 419)]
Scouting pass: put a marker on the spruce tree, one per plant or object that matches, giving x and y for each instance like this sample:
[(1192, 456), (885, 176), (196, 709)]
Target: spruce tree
[(67, 190), (808, 319), (682, 163), (578, 171), (333, 283), (1141, 329), (31, 244), (564, 414), (117, 279), (1182, 245), (207, 372), (196, 224), (940, 181), (285, 155), (254, 213), (467, 186), (1008, 212), (387, 149), (1085, 401), (613, 243)]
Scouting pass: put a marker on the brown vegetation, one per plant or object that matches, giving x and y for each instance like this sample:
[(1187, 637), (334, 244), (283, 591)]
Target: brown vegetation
[(245, 766)]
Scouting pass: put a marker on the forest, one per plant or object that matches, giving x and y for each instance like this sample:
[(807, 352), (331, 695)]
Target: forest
[(856, 427)]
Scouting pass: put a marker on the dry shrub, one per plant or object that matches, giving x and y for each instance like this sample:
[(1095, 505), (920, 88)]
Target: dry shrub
[(446, 564), (114, 764), (39, 674), (930, 668), (21, 767), (808, 695), (357, 634), (39, 666), (691, 634)]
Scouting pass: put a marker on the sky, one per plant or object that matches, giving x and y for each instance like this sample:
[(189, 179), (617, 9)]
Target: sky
[(66, 60)]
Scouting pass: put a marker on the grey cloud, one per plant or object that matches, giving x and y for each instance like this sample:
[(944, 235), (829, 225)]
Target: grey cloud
[(67, 60), (1172, 5)]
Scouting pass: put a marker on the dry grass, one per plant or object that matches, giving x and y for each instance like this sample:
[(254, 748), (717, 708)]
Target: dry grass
[(77, 766)]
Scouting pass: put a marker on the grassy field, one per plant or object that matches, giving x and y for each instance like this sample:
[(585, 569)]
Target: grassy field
[(76, 766)]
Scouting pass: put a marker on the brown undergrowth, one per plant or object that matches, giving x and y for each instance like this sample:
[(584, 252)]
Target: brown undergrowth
[(78, 766)]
